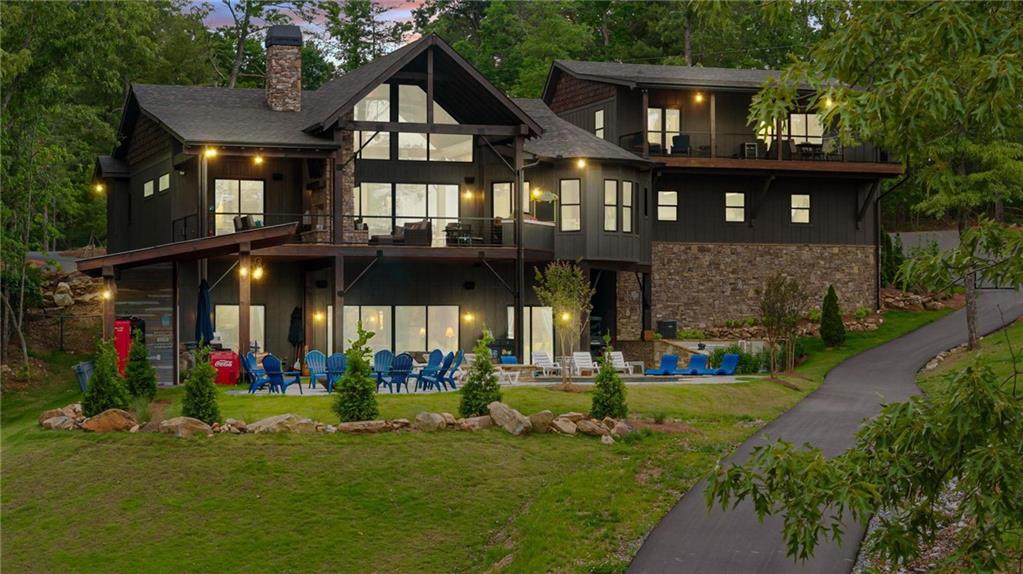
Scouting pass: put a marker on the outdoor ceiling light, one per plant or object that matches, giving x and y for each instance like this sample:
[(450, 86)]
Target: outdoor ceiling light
[(257, 270), (210, 152), (258, 160), (698, 98), (580, 163), (318, 316)]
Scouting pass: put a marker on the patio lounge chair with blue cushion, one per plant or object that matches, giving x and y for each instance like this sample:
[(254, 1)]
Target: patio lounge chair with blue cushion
[(336, 365), (401, 368), (317, 363), (729, 363), (434, 381), (697, 366), (255, 374), (432, 366), (454, 371), (382, 365), (667, 367), (509, 360), (280, 380)]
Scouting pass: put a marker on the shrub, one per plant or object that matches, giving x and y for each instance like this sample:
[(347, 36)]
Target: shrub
[(694, 334), (608, 390), (140, 374), (106, 387), (798, 352), (356, 398), (814, 315), (140, 406), (832, 329), (481, 387), (748, 362), (861, 313), (200, 389)]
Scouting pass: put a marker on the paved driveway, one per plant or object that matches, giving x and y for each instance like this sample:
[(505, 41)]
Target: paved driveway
[(691, 539)]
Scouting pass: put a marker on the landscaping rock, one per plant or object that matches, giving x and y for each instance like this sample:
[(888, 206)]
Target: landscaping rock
[(591, 427), (573, 416), (184, 427), (621, 429), (606, 439), (399, 424), (110, 420), (563, 426), (237, 424), (135, 428), (49, 414), (330, 429), (541, 421), (151, 426), (364, 426), (449, 419), (59, 422), (72, 411), (476, 423), (509, 419), (62, 295), (429, 422), (608, 422), (283, 423)]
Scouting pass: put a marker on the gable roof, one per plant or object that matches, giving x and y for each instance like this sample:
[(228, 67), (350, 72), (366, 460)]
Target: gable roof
[(562, 139)]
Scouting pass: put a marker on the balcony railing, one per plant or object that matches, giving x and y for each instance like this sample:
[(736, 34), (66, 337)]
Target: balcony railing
[(747, 145), (312, 228)]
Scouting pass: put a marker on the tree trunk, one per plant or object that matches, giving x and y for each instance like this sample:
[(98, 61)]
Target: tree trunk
[(970, 283), (239, 48), (21, 334), (688, 46)]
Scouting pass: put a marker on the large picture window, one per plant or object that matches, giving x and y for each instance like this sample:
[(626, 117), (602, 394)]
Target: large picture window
[(233, 197), (735, 207), (538, 329), (373, 145), (610, 205), (501, 198), (667, 206), (226, 322), (416, 328), (571, 205), (411, 202), (627, 199), (806, 128)]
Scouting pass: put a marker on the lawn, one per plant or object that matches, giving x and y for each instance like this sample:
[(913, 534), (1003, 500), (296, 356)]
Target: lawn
[(442, 502), (995, 351)]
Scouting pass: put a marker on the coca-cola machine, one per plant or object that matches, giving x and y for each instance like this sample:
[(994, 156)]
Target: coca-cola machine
[(122, 342), (228, 366)]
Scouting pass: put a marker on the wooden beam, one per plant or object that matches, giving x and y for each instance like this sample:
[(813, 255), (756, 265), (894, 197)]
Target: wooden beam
[(520, 257), (773, 165), (248, 151), (429, 85), (862, 211), (338, 324), (646, 125), (109, 299), (713, 125), (244, 297), (462, 129)]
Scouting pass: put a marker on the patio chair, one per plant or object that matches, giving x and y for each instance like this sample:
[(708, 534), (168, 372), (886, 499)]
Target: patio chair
[(280, 380), (667, 367), (382, 365), (583, 361), (435, 381), (680, 145), (255, 374), (454, 371), (547, 365), (618, 362), (336, 365), (432, 366), (401, 368), (697, 366), (509, 360), (729, 363), (317, 363)]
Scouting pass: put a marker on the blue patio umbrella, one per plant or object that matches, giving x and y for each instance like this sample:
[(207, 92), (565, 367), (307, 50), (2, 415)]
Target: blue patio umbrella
[(203, 320)]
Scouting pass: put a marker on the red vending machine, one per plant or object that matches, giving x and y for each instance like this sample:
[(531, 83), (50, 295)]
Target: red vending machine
[(227, 365), (122, 342)]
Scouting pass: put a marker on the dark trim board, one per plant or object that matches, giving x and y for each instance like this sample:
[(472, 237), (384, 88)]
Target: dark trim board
[(770, 165), (399, 252)]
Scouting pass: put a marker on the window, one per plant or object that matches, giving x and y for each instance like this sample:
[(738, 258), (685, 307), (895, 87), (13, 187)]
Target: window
[(800, 208), (233, 197), (570, 205), (598, 123), (409, 203), (627, 187), (442, 207), (377, 319), (806, 128), (375, 107), (147, 189), (375, 207), (164, 182), (450, 147), (765, 131), (411, 104), (442, 328), (527, 200), (372, 145), (416, 328), (502, 199), (672, 125), (667, 206), (412, 202), (538, 329), (413, 146), (409, 328), (610, 205), (662, 125), (735, 206), (226, 320)]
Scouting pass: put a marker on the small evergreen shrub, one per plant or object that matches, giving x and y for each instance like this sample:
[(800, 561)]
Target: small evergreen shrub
[(749, 363), (356, 392), (608, 390), (200, 389), (140, 374), (832, 329), (861, 313), (814, 316), (481, 387), (106, 387)]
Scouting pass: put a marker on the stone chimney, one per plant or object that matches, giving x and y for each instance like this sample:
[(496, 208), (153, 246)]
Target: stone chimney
[(284, 68)]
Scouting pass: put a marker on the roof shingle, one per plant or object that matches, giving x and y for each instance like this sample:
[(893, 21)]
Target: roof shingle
[(562, 139), (665, 75)]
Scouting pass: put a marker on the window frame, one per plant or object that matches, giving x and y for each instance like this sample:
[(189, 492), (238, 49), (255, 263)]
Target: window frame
[(393, 331), (148, 188), (562, 205), (729, 207), (614, 206), (793, 209), (159, 185), (628, 211), (666, 205), (239, 180), (804, 137), (599, 119), (511, 199), (252, 310)]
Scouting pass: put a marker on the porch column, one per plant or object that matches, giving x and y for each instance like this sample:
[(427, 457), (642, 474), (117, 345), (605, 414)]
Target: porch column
[(646, 127), (109, 297), (713, 126), (338, 324), (646, 297), (244, 297), (520, 257)]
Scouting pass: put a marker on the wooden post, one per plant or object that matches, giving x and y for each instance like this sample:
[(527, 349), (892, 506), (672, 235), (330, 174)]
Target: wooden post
[(520, 254), (777, 133), (646, 124), (429, 85), (338, 325), (109, 297), (713, 126), (244, 297)]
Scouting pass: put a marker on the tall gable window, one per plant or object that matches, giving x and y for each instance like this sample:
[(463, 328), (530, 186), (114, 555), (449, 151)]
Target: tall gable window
[(667, 206), (735, 207), (571, 211), (375, 107), (598, 123)]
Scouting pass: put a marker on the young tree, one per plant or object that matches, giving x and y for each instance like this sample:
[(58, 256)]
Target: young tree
[(106, 388), (249, 19), (832, 328), (200, 400), (608, 389), (564, 287), (359, 32), (481, 386), (782, 304), (356, 398), (139, 373)]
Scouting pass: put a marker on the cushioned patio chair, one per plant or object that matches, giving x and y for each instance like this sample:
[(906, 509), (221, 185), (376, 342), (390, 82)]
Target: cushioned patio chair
[(435, 381), (317, 363), (729, 363), (336, 365), (401, 368), (382, 365), (697, 366), (255, 374), (279, 379), (509, 360), (667, 367)]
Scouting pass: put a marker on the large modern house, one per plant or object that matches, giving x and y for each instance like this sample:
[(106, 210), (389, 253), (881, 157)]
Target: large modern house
[(413, 195)]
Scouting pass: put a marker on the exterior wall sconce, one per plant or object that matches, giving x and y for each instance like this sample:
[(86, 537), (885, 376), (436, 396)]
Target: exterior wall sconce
[(467, 194), (107, 295), (258, 160), (99, 188), (243, 271), (580, 163), (468, 317), (828, 103), (210, 152), (318, 316), (257, 270), (566, 317), (698, 97)]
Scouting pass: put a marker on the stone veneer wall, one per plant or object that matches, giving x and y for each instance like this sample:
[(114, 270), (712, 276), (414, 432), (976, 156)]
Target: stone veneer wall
[(284, 78), (629, 307)]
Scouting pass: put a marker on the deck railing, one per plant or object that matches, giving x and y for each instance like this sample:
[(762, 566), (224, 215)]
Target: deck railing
[(746, 145)]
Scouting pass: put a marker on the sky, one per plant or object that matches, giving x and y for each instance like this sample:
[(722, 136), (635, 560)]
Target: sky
[(400, 10)]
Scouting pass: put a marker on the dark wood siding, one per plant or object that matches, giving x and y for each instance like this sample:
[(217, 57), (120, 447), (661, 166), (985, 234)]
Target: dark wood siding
[(146, 140), (585, 118), (569, 92)]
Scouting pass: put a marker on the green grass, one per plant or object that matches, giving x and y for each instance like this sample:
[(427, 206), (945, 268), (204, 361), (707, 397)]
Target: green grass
[(410, 502), (994, 352)]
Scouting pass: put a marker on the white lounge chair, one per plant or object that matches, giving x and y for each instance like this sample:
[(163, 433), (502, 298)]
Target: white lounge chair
[(545, 364), (618, 362), (583, 361)]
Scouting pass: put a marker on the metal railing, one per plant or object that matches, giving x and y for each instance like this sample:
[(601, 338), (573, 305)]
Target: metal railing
[(746, 145), (459, 231)]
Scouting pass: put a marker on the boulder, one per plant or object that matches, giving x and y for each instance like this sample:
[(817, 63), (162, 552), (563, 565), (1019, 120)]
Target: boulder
[(237, 424), (608, 422), (49, 414), (364, 426), (72, 411), (541, 421), (621, 429), (283, 423), (151, 426), (62, 295), (398, 424), (591, 427), (184, 427), (606, 439), (330, 429), (573, 416), (59, 422), (449, 419), (563, 426), (135, 428), (110, 420), (509, 419), (429, 422), (476, 423)]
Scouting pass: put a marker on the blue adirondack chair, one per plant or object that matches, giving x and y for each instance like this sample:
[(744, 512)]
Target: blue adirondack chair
[(336, 364), (255, 374), (382, 365), (697, 366), (401, 369), (434, 381), (431, 368), (280, 380), (667, 367), (450, 378), (729, 363), (317, 363)]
